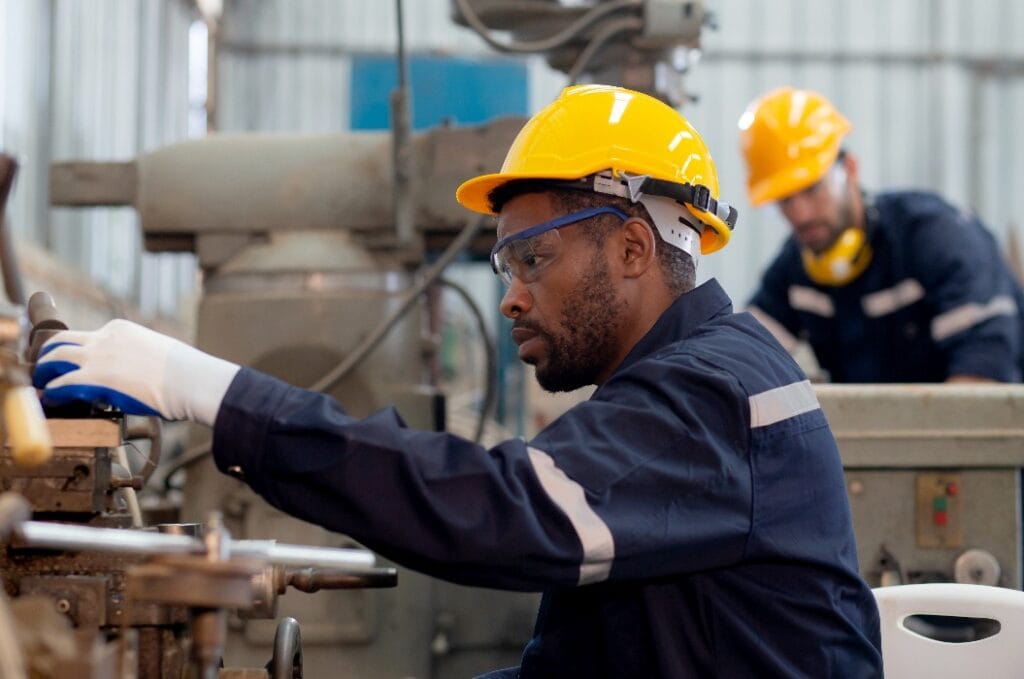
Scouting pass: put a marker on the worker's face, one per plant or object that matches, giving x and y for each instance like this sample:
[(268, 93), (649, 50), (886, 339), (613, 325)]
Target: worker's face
[(565, 318), (822, 211)]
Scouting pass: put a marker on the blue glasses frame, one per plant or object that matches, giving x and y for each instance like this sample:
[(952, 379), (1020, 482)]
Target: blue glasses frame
[(532, 232)]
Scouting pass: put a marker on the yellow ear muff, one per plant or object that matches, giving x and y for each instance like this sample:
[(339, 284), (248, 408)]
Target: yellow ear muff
[(843, 262)]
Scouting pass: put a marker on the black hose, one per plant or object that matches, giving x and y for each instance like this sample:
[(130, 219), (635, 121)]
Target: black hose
[(490, 383)]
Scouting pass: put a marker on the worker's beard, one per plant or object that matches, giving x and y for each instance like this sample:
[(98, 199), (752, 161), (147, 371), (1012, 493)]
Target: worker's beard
[(585, 344)]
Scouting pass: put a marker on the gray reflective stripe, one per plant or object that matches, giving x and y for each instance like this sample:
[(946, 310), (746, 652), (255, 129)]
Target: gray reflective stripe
[(786, 338), (966, 315), (594, 535), (782, 403), (807, 299), (883, 302)]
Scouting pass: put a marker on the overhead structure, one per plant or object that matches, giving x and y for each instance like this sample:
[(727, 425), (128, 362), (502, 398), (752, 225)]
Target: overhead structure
[(644, 45)]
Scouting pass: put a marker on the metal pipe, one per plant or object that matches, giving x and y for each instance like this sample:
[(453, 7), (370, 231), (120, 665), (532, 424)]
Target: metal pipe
[(8, 260), (401, 147), (77, 538), (14, 509), (352, 560)]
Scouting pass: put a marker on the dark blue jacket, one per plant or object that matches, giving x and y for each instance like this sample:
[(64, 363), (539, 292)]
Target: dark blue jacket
[(689, 520), (936, 300)]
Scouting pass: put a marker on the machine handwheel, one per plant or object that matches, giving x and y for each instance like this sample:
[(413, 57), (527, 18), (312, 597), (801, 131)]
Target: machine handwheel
[(286, 663)]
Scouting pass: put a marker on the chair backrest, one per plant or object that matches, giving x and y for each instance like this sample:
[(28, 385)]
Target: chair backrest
[(909, 655)]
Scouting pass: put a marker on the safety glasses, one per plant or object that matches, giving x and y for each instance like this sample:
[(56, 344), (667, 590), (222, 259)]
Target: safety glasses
[(525, 254)]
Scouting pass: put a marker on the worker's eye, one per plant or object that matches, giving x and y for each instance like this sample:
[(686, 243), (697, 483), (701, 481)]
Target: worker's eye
[(526, 258)]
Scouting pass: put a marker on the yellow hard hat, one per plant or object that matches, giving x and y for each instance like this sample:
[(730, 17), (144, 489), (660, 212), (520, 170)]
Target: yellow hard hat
[(790, 138), (592, 129)]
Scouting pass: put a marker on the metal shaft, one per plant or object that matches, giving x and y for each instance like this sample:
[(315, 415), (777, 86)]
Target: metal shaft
[(83, 538)]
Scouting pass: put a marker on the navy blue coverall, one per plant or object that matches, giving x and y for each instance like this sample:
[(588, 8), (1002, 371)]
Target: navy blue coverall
[(689, 520), (936, 300)]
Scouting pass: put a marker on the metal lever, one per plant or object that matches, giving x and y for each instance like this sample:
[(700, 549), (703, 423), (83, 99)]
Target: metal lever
[(42, 315), (311, 580), (42, 534), (27, 433)]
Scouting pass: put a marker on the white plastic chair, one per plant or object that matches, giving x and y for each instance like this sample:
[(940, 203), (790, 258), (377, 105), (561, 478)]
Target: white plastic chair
[(909, 655)]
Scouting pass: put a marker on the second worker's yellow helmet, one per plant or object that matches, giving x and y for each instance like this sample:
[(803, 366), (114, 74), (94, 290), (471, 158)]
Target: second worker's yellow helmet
[(592, 129), (789, 138)]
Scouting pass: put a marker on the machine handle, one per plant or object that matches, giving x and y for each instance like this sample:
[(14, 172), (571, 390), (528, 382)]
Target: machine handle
[(28, 437), (311, 580)]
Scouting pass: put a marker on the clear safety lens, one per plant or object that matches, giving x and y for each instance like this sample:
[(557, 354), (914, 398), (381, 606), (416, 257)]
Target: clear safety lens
[(525, 254), (525, 258)]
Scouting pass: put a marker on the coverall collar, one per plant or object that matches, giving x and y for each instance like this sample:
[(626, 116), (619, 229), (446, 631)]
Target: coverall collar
[(687, 313)]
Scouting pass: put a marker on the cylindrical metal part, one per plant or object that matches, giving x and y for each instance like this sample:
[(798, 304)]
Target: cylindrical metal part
[(14, 510), (209, 634), (353, 561), (286, 663), (217, 539), (266, 183), (190, 529), (263, 183), (42, 315), (41, 307), (62, 536)]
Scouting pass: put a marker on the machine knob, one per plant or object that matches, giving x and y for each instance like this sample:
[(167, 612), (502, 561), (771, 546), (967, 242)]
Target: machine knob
[(27, 433), (977, 567)]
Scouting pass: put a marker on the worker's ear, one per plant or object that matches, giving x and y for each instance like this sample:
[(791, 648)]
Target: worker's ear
[(852, 167), (637, 247)]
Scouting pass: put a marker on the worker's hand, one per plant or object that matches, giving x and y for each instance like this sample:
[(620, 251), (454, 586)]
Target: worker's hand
[(134, 369)]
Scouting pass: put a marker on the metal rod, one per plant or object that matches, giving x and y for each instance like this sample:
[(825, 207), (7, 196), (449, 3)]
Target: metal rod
[(402, 150), (47, 535), (63, 536), (8, 259), (352, 560)]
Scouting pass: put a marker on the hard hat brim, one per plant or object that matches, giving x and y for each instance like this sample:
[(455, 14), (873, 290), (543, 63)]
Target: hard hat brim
[(793, 179), (474, 194), (716, 234)]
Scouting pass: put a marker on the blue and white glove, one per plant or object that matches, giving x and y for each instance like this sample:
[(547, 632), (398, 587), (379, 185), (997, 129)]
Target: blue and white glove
[(134, 369)]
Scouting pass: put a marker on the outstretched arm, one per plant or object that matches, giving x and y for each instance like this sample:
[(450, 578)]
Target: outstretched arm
[(134, 369)]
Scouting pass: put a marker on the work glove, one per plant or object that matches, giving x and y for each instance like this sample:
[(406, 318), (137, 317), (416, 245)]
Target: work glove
[(134, 369)]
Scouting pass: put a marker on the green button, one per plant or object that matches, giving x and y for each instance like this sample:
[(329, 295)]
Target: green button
[(939, 504)]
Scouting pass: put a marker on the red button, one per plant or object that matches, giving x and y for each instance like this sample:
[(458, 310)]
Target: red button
[(952, 489), (940, 518)]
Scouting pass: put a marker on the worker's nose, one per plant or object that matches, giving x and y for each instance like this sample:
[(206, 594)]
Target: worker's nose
[(516, 300)]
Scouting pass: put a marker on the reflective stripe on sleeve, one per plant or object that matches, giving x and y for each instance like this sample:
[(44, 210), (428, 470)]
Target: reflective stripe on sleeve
[(785, 337), (594, 534), (967, 315), (810, 300), (884, 302), (782, 403)]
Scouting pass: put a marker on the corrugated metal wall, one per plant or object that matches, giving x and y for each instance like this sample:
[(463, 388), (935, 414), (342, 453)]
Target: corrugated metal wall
[(95, 80), (933, 88)]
